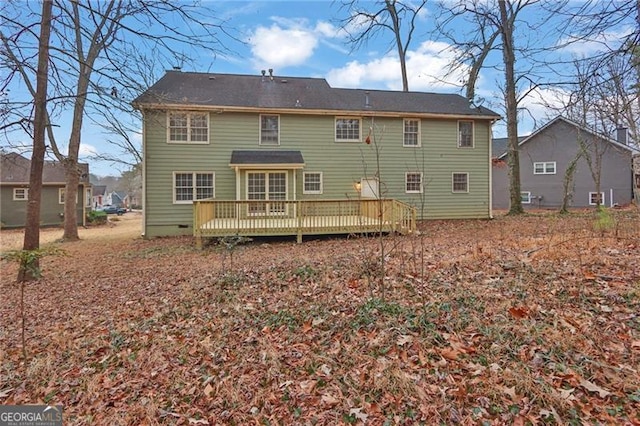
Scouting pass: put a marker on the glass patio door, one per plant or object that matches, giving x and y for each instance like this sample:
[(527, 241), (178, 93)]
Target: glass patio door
[(270, 187)]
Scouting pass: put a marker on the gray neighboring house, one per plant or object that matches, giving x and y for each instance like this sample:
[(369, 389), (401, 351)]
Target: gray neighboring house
[(14, 192), (544, 158)]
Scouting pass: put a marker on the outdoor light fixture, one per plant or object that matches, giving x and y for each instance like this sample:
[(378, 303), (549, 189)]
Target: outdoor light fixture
[(357, 185)]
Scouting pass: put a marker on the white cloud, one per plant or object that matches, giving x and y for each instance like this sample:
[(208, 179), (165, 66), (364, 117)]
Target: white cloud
[(87, 150), (603, 41), (276, 47), (427, 69)]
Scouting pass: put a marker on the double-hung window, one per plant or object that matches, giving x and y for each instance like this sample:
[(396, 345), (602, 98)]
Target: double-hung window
[(269, 130), (312, 183), (413, 182), (347, 129), (191, 186), (411, 132), (460, 182), (188, 127), (525, 197), (544, 168), (465, 134), (596, 198), (61, 196), (20, 194)]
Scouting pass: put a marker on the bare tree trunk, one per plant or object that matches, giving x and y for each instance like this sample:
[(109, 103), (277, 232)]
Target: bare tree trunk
[(513, 159), (402, 53), (32, 224)]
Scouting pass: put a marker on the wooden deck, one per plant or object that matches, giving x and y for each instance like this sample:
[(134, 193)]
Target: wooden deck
[(217, 218)]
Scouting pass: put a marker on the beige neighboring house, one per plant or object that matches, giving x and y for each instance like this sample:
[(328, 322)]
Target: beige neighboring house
[(14, 192)]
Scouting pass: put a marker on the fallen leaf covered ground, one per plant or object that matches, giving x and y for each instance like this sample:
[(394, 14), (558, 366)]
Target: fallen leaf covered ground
[(517, 320)]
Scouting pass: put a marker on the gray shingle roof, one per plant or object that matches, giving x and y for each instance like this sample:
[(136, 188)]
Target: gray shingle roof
[(255, 91), (239, 158), (15, 168)]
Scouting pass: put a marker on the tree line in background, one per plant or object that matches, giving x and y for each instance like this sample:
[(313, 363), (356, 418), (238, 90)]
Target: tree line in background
[(93, 58)]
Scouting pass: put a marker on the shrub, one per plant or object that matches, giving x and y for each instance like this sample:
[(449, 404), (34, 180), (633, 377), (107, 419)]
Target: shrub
[(97, 217)]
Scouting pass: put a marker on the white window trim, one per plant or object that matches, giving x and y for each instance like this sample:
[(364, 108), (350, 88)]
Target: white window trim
[(473, 134), (406, 181), (544, 167), (88, 194), (260, 130), (528, 197), (24, 191), (304, 175), (452, 183), (602, 200), (335, 128), (404, 144), (188, 141), (173, 185), (267, 200), (60, 192)]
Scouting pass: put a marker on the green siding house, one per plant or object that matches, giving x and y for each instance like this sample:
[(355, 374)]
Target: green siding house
[(14, 192), (262, 137)]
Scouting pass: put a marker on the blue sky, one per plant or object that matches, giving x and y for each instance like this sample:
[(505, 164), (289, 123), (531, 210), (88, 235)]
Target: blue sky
[(303, 38)]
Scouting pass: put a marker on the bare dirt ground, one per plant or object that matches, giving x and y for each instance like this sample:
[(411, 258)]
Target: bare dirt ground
[(126, 226), (518, 320)]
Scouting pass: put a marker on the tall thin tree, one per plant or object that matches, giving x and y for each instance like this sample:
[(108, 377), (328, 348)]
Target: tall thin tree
[(32, 225)]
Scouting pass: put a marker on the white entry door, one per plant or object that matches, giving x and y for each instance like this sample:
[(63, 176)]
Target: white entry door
[(369, 188)]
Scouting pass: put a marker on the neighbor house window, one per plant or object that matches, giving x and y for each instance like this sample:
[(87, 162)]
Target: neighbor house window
[(20, 194), (413, 182), (411, 132), (269, 130), (188, 127), (87, 197), (525, 197), (190, 186), (544, 168), (596, 198), (312, 183), (465, 134), (61, 194), (347, 129), (460, 182)]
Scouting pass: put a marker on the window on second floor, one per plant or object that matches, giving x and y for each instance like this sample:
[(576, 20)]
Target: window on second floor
[(411, 132), (465, 134), (312, 183), (269, 130), (347, 129), (190, 186), (188, 127), (20, 194), (544, 168), (413, 182)]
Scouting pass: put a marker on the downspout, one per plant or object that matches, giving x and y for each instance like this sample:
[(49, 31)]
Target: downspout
[(144, 175), (610, 197), (489, 129)]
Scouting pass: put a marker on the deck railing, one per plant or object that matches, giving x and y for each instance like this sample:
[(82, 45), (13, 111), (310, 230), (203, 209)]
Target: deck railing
[(219, 218)]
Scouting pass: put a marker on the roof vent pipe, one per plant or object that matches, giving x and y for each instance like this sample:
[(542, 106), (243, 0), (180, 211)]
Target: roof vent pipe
[(271, 73), (263, 74), (621, 134), (366, 100)]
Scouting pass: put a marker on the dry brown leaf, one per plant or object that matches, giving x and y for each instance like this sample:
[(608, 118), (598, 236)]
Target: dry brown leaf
[(208, 390), (518, 313), (450, 354), (592, 387), (330, 400)]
